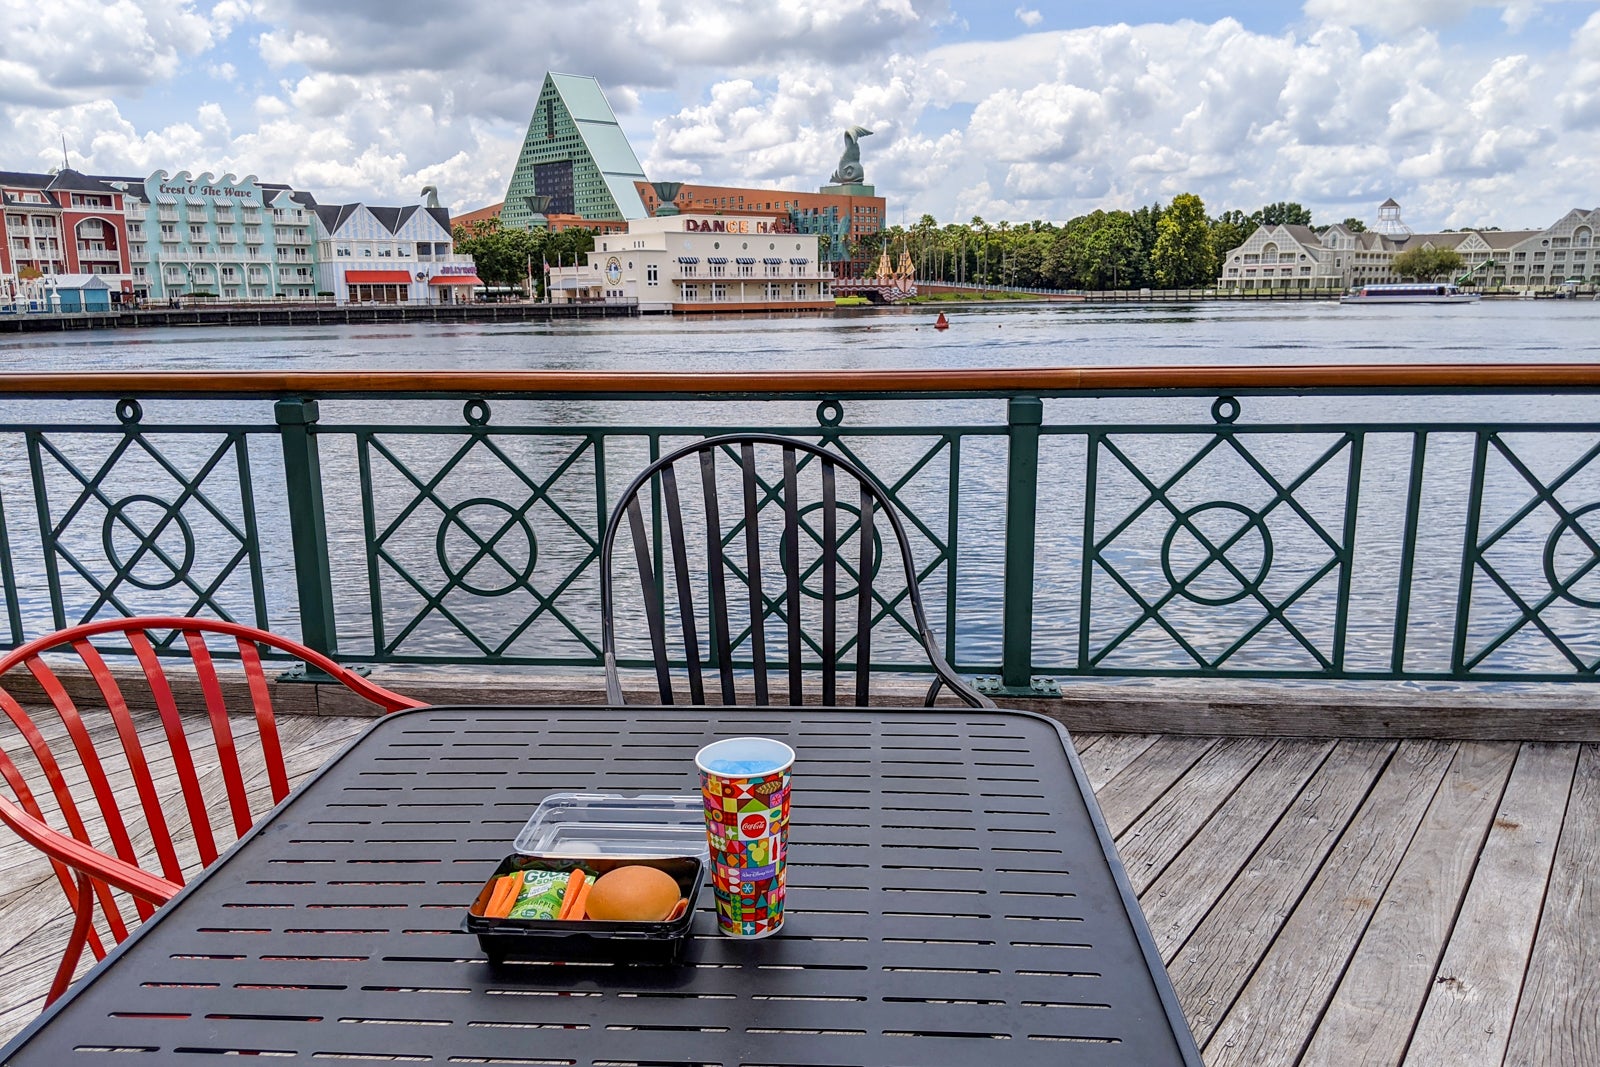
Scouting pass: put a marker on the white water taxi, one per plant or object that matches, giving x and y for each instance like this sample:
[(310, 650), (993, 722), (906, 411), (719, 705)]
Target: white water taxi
[(1409, 293)]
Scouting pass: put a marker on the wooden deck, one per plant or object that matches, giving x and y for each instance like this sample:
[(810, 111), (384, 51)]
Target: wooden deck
[(1317, 901)]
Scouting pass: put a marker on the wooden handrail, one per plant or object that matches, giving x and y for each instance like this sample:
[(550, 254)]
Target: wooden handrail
[(1043, 381)]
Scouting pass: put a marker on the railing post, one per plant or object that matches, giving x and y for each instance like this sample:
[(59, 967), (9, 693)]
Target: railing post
[(1024, 416), (308, 528)]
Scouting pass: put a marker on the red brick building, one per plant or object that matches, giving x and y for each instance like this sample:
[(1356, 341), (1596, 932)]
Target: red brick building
[(62, 223)]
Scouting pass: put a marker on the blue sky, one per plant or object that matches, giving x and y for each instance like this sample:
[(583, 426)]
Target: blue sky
[(1469, 112)]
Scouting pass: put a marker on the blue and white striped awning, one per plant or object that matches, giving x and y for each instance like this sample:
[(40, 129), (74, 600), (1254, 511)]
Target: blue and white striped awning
[(688, 259), (746, 259), (716, 259), (773, 259), (799, 260)]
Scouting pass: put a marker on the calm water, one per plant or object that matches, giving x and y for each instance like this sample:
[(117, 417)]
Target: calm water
[(1057, 335), (1010, 337)]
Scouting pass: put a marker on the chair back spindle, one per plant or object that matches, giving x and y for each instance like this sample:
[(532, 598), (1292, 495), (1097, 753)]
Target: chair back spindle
[(801, 578)]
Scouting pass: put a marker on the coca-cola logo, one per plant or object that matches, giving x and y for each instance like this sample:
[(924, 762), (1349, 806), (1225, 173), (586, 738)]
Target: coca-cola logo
[(753, 825)]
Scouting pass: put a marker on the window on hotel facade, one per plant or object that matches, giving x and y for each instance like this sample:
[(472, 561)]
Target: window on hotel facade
[(197, 233), (343, 250), (691, 292)]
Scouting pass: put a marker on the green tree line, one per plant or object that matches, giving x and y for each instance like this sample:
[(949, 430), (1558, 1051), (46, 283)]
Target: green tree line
[(504, 256), (1177, 245)]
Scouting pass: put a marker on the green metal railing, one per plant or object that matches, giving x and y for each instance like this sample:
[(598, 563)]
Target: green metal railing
[(1252, 522)]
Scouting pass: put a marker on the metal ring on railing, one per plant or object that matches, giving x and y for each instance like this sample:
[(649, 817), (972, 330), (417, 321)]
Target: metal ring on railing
[(129, 412), (1225, 410), (476, 412), (830, 413)]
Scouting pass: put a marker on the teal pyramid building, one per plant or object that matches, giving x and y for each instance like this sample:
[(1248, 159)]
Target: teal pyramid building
[(576, 154)]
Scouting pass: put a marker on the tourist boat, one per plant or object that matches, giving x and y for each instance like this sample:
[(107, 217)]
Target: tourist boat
[(1409, 293)]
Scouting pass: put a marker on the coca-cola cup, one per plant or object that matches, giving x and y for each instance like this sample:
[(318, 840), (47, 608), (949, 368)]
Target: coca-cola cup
[(745, 783)]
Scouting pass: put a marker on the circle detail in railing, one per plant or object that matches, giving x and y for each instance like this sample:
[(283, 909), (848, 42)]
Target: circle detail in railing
[(1572, 557), (476, 412), (1204, 540), (830, 413), (848, 548), (1225, 409), (145, 530), (490, 563), (129, 412)]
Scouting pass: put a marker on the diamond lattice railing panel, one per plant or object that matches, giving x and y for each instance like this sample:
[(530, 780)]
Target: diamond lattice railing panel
[(482, 544), (1535, 564), (145, 524), (1222, 551)]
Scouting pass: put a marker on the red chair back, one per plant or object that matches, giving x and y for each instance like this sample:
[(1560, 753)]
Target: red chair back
[(129, 805)]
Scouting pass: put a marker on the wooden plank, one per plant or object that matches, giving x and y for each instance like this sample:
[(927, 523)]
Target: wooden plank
[(1112, 753), (1162, 831), (1180, 897), (1470, 1008), (1273, 1018), (1557, 1020), (1375, 1008), (1214, 964), (1143, 781)]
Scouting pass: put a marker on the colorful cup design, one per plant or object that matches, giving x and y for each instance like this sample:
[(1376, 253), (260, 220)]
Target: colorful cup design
[(745, 784)]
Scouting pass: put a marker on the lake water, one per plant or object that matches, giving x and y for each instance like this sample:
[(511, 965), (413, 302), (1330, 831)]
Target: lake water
[(1058, 335), (1027, 336)]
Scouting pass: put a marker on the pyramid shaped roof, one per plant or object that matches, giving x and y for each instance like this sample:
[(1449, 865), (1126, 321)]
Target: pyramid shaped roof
[(577, 148)]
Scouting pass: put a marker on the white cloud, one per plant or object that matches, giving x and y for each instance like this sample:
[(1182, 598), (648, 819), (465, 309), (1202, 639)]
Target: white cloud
[(1395, 17), (73, 51), (1360, 101)]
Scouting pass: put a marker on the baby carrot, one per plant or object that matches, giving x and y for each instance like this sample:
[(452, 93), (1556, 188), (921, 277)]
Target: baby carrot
[(495, 893), (582, 903), (501, 905), (569, 896)]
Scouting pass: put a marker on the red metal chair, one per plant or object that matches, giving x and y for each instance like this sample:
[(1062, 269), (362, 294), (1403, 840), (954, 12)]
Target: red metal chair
[(88, 873)]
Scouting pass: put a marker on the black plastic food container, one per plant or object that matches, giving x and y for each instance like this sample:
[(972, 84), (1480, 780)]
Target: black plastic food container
[(510, 941)]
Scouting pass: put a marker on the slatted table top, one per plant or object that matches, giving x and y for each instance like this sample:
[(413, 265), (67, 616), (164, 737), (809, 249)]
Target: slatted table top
[(950, 888)]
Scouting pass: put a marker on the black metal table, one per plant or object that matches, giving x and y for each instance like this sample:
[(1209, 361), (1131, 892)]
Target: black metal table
[(950, 889)]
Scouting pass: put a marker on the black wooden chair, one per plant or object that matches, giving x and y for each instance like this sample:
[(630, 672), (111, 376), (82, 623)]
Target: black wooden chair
[(823, 540)]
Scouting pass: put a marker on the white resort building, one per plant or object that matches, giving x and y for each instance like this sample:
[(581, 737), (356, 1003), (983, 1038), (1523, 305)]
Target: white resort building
[(687, 263), (1297, 257), (390, 255)]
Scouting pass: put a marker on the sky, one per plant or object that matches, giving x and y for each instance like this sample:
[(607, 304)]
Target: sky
[(1467, 112)]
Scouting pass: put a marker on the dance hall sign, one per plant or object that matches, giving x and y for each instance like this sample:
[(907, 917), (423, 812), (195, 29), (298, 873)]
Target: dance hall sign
[(727, 226)]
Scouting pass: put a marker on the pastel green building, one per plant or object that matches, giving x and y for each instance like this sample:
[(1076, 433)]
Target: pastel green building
[(576, 154)]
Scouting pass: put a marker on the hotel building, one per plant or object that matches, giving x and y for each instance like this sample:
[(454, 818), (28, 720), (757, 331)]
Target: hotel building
[(576, 154), (390, 255), (700, 263), (224, 238), (1296, 257), (64, 223), (577, 158)]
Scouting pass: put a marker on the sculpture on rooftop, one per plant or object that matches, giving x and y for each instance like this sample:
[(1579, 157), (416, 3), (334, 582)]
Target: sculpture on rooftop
[(432, 193), (850, 172)]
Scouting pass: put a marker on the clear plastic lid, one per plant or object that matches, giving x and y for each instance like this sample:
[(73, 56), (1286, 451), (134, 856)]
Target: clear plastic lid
[(608, 824)]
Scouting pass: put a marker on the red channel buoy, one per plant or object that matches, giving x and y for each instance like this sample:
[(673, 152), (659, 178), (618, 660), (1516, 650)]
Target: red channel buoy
[(941, 323)]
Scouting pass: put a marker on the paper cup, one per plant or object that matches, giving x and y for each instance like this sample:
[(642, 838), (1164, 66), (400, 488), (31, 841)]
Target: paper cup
[(745, 783)]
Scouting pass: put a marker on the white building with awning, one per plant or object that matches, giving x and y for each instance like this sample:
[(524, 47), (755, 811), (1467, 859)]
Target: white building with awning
[(700, 263)]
